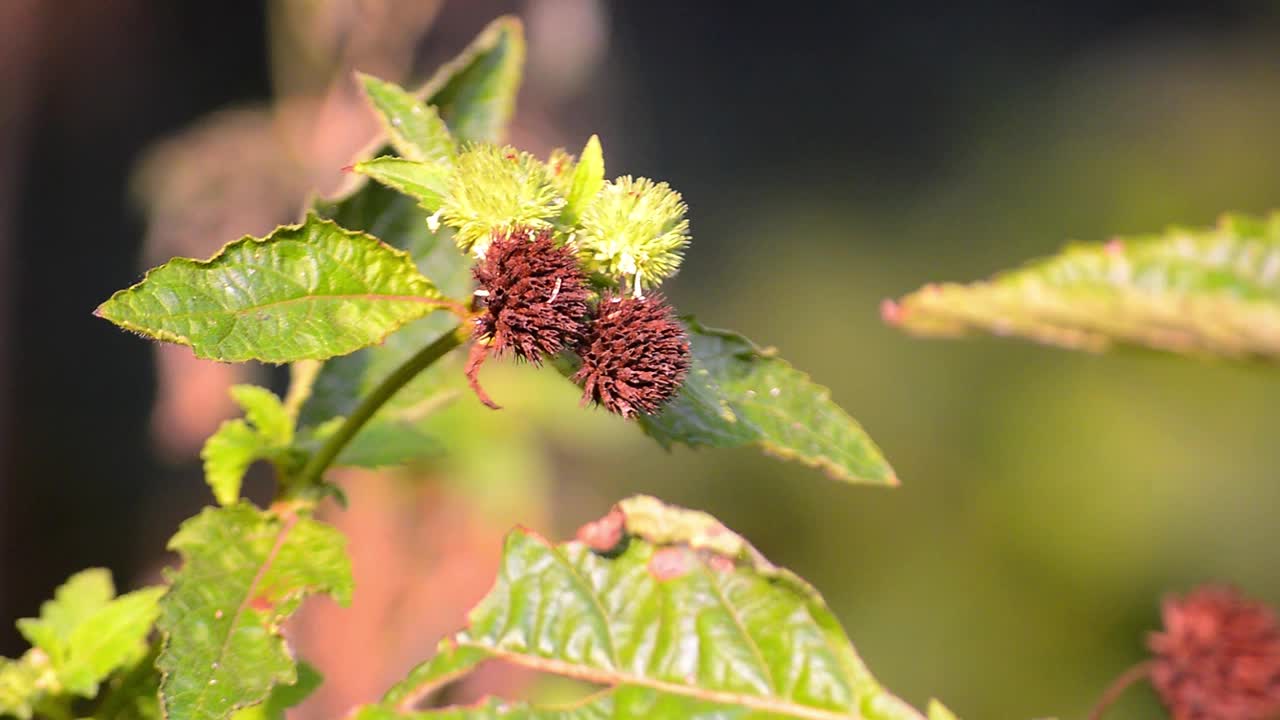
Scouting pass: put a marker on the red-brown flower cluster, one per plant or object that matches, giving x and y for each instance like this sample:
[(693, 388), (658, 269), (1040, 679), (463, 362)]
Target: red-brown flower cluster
[(635, 356), (634, 353), (1218, 657), (534, 294)]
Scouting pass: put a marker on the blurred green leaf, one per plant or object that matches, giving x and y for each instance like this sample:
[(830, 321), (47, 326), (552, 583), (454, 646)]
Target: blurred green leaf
[(738, 394), (475, 93), (414, 129), (938, 711), (107, 640), (283, 697), (312, 290), (86, 633), (244, 572), (1212, 291), (425, 182), (586, 183), (74, 602), (265, 433), (133, 694), (667, 628)]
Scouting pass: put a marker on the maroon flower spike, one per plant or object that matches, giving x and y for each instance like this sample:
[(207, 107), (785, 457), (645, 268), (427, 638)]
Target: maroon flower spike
[(1218, 657), (534, 296), (635, 356)]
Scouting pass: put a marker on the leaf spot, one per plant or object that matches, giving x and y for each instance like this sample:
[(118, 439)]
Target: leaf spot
[(605, 534), (668, 564)]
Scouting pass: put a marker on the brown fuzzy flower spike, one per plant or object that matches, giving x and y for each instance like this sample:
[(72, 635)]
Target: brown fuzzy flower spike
[(1218, 657), (635, 356), (534, 296)]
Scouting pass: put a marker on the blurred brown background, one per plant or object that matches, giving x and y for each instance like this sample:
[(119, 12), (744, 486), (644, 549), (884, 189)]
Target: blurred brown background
[(833, 154)]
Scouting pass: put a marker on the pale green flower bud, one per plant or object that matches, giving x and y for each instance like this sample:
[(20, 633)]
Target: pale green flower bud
[(497, 188), (635, 229)]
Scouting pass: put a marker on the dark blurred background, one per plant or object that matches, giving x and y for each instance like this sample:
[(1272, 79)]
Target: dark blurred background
[(833, 154)]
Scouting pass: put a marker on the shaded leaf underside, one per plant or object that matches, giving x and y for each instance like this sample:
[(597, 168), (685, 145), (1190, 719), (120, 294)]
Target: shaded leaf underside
[(738, 394)]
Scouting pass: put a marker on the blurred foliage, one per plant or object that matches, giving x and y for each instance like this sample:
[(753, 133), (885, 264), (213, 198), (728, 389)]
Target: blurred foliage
[(1048, 498)]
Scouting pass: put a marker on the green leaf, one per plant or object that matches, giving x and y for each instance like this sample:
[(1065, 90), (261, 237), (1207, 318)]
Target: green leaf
[(738, 394), (74, 602), (133, 694), (588, 180), (264, 410), (938, 711), (426, 182), (244, 572), (387, 442), (284, 697), (475, 93), (108, 640), (312, 290), (414, 129), (1213, 291), (227, 455), (668, 628), (266, 433), (86, 633)]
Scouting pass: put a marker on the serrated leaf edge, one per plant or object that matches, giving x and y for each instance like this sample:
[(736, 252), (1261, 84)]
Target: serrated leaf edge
[(431, 298)]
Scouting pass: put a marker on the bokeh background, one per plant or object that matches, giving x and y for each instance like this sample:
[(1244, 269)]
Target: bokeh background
[(834, 154)]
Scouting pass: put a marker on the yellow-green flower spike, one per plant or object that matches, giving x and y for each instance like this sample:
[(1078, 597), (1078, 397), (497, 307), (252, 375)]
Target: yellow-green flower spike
[(635, 229), (497, 188)]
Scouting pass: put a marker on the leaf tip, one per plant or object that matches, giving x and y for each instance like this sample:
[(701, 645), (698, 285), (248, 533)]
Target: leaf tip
[(891, 312)]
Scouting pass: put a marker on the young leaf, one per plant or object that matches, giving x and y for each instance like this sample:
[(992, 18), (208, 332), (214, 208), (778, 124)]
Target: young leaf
[(85, 633), (265, 433), (587, 181), (244, 572), (669, 629), (426, 182), (312, 290), (737, 394), (1209, 291), (414, 129)]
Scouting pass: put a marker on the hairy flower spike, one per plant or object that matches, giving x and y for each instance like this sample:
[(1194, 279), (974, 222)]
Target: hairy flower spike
[(495, 190), (535, 299), (1218, 657), (635, 356), (635, 229)]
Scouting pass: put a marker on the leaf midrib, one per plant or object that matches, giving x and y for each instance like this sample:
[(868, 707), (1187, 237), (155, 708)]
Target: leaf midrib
[(619, 678), (281, 536)]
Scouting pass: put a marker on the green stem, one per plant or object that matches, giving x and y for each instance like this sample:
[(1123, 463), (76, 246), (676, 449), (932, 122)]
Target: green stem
[(369, 406)]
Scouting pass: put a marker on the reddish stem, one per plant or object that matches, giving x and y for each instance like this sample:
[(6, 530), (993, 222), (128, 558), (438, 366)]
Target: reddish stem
[(1138, 672), (479, 352)]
